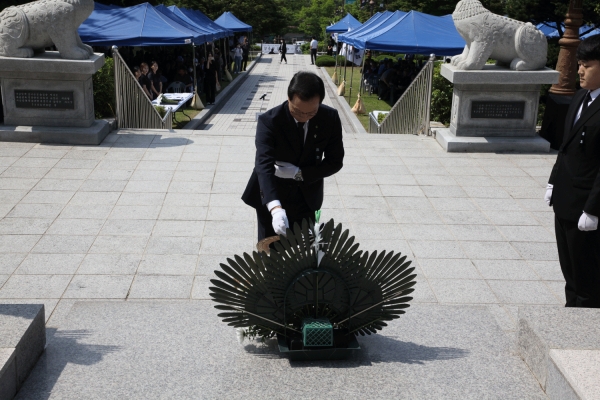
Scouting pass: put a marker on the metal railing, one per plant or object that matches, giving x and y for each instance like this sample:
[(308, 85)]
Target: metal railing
[(411, 113), (134, 108)]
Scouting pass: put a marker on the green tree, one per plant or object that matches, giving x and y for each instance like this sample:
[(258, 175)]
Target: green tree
[(439, 7), (540, 11), (316, 16)]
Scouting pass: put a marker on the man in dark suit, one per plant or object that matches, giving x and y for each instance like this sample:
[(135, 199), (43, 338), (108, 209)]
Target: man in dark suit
[(574, 185), (298, 143)]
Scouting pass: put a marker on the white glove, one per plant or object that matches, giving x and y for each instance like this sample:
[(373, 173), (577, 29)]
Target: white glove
[(548, 196), (285, 170), (280, 221), (587, 222)]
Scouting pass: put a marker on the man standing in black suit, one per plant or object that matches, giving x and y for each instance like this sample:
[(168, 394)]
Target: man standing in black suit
[(298, 143), (574, 185)]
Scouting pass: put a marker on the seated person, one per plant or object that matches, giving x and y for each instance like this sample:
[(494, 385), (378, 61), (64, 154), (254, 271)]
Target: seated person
[(185, 78)]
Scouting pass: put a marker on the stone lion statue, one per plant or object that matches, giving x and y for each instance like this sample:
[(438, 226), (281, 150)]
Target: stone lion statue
[(29, 28), (515, 44)]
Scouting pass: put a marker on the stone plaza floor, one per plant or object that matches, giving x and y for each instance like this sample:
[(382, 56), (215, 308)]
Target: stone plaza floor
[(151, 214)]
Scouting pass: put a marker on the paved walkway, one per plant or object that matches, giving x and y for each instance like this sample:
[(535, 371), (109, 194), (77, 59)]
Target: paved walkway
[(149, 215)]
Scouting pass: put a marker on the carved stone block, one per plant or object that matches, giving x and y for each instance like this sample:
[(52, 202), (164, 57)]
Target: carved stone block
[(30, 28), (515, 44)]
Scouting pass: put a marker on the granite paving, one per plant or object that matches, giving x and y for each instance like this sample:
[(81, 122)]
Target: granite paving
[(150, 214), (181, 350)]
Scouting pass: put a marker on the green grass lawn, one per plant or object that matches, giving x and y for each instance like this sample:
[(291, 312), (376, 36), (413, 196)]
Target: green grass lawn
[(370, 101)]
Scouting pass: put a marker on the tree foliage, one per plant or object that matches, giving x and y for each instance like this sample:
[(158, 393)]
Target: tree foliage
[(539, 11)]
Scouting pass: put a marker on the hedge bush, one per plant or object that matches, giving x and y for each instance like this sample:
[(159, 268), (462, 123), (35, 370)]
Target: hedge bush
[(329, 61), (305, 47), (441, 97), (325, 61), (382, 57), (104, 90)]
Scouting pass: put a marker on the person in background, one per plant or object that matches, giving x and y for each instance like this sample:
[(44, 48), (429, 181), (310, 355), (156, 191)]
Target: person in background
[(155, 79), (185, 78), (330, 44), (314, 45), (237, 57), (384, 81), (138, 75), (574, 185), (245, 54), (219, 64), (200, 74), (144, 81), (210, 79), (282, 51)]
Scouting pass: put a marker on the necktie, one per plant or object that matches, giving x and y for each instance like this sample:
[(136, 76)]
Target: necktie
[(301, 131), (586, 103)]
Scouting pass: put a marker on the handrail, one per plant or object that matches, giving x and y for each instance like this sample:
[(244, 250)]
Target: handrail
[(134, 109), (411, 113)]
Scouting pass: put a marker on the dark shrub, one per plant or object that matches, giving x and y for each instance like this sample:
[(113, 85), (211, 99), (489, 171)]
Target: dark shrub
[(104, 90)]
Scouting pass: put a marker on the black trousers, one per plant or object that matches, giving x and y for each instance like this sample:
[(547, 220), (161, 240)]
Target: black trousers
[(283, 58), (295, 208), (313, 56), (579, 255), (244, 62), (210, 88), (383, 90)]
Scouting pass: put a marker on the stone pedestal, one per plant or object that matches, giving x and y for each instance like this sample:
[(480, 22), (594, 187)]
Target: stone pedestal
[(494, 109), (22, 342), (561, 347), (50, 95)]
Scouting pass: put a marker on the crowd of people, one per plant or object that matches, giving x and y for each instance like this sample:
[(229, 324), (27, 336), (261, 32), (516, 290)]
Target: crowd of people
[(169, 71), (172, 72), (389, 78)]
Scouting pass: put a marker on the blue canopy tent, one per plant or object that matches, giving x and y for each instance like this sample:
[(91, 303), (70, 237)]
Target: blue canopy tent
[(229, 21), (375, 19), (140, 25), (198, 18), (202, 20), (344, 25), (182, 20), (352, 38), (98, 6), (416, 33), (550, 31)]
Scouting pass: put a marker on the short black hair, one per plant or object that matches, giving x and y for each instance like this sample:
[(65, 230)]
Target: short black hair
[(589, 49), (306, 85)]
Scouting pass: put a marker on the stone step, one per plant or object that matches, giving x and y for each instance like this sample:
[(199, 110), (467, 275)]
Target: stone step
[(470, 144), (573, 374), (22, 341), (558, 344), (8, 374), (181, 349)]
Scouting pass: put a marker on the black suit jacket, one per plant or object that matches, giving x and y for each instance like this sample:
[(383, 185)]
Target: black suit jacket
[(575, 175), (277, 139)]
